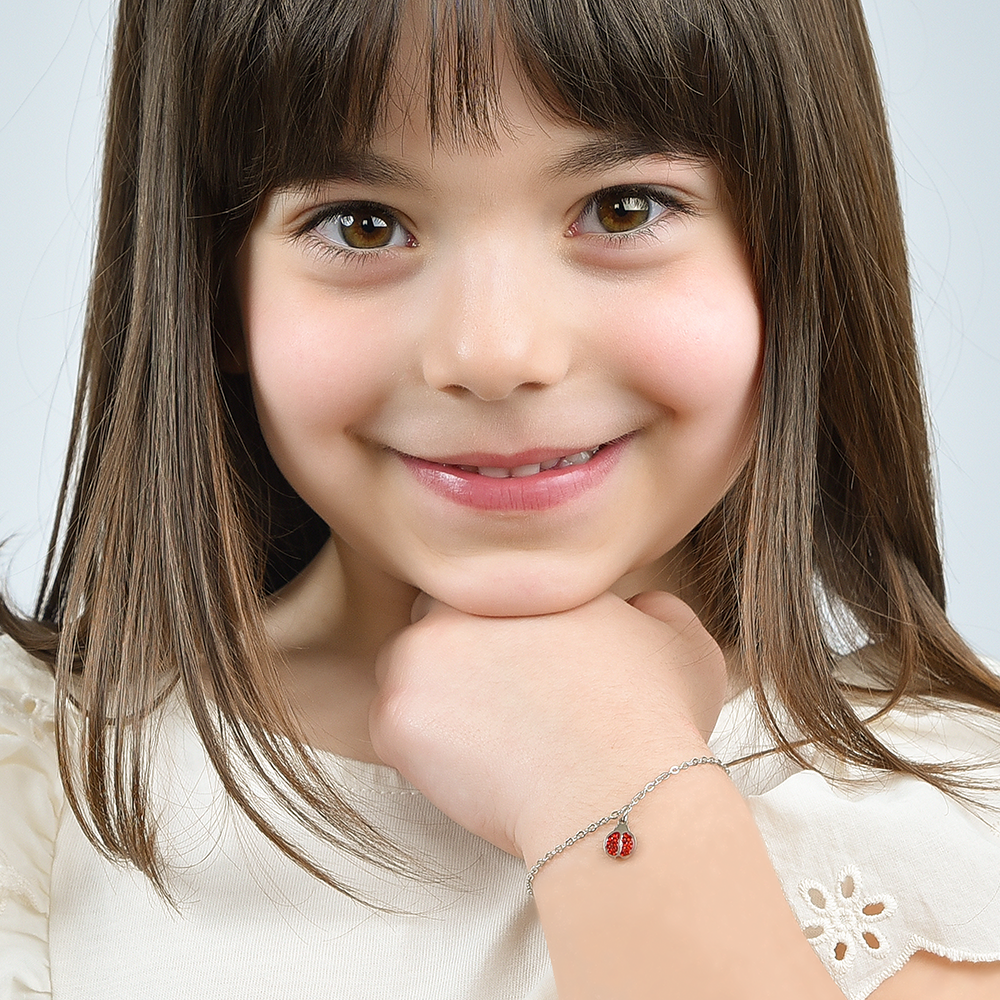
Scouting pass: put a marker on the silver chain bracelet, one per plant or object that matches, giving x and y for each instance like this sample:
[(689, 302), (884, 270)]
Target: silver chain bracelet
[(621, 841)]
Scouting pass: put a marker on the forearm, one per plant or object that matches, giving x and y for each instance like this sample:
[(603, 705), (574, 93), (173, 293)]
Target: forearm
[(696, 911)]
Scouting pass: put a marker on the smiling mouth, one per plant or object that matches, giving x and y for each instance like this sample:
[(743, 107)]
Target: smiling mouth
[(534, 481)]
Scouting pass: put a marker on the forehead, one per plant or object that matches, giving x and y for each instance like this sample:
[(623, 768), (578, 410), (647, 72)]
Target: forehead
[(519, 119), (330, 89)]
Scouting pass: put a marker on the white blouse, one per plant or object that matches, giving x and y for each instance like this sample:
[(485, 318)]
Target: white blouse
[(876, 867)]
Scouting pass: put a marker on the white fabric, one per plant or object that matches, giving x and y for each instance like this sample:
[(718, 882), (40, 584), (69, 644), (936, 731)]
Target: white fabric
[(875, 868), (30, 809)]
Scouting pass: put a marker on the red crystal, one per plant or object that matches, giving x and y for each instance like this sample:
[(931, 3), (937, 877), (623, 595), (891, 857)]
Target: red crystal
[(620, 842)]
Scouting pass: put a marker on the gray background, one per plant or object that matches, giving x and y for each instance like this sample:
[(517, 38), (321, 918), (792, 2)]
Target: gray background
[(939, 66)]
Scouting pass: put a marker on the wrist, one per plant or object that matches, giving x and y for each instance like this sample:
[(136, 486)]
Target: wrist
[(599, 793)]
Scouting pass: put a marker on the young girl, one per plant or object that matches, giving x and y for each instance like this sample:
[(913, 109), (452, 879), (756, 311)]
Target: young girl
[(495, 417)]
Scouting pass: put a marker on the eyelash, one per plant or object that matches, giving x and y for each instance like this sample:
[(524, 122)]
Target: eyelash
[(670, 204), (326, 249)]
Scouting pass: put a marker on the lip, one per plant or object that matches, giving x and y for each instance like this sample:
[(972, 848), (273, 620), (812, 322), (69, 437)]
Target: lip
[(542, 491)]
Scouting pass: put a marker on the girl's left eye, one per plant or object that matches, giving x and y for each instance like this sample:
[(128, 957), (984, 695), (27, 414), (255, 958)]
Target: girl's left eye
[(623, 211), (360, 227)]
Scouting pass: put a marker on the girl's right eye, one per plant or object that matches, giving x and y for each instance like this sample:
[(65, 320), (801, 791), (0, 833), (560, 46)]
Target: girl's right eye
[(358, 227)]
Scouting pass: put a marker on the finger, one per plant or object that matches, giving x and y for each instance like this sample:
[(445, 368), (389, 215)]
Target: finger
[(666, 607), (673, 612)]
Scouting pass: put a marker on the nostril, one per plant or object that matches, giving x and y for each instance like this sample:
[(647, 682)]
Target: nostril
[(492, 375)]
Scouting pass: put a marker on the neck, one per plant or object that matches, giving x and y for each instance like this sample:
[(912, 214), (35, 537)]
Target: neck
[(326, 627), (339, 605), (328, 624)]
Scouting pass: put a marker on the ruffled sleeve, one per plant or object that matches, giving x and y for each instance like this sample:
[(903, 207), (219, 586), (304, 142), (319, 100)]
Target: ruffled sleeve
[(30, 804), (877, 866)]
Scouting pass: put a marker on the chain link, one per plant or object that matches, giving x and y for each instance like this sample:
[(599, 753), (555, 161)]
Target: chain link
[(619, 813)]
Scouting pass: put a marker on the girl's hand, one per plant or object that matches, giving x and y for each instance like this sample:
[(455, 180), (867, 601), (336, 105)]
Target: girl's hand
[(524, 730)]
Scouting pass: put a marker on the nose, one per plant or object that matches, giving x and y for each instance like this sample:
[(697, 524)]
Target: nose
[(495, 326)]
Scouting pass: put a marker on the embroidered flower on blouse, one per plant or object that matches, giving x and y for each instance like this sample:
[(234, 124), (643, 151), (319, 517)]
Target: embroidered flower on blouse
[(843, 923)]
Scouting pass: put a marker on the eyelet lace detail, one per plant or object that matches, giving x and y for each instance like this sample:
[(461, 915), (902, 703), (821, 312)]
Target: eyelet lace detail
[(844, 922)]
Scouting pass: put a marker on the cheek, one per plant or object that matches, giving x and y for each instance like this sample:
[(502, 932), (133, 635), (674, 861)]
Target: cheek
[(315, 367), (698, 352)]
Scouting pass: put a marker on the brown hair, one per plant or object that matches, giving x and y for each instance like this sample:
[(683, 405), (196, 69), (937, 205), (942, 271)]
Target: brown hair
[(174, 524)]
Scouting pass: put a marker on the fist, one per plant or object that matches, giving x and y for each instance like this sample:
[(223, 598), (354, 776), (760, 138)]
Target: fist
[(525, 729)]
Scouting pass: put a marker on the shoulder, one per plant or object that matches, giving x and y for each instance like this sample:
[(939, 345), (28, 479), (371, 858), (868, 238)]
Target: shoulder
[(878, 867), (30, 806), (24, 679), (27, 708)]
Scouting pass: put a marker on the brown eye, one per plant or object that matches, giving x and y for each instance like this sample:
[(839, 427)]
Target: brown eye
[(621, 212), (366, 229), (359, 227)]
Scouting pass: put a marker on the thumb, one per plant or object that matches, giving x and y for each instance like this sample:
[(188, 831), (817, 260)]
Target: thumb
[(704, 679), (672, 611), (668, 608)]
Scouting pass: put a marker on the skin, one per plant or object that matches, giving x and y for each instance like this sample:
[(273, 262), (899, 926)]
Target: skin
[(496, 336), (502, 317)]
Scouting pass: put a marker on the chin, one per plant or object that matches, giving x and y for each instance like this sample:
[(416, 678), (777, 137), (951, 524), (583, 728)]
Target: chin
[(517, 596)]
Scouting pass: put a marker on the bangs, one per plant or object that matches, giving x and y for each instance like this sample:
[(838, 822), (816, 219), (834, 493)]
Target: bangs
[(296, 88)]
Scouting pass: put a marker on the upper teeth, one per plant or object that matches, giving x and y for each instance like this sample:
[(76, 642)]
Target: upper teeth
[(578, 458)]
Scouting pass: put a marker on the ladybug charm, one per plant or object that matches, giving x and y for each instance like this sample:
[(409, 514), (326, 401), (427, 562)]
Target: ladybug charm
[(620, 842)]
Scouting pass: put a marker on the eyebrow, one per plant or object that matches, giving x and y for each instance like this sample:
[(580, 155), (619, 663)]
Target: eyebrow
[(595, 155), (368, 167), (604, 152)]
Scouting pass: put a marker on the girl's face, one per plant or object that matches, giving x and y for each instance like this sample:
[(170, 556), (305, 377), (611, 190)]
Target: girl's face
[(507, 376)]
